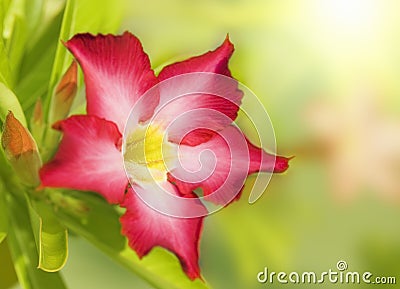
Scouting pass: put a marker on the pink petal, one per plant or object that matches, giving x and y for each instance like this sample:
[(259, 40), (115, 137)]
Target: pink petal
[(221, 165), (117, 72), (88, 158), (218, 166), (222, 96), (261, 161), (215, 61), (147, 228)]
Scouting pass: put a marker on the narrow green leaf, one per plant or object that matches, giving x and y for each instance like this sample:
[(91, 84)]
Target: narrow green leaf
[(22, 19), (160, 268), (16, 45), (8, 101), (23, 250), (6, 171), (51, 237), (15, 34), (3, 10), (3, 215), (34, 13), (36, 65), (5, 71), (4, 4), (7, 273), (45, 12)]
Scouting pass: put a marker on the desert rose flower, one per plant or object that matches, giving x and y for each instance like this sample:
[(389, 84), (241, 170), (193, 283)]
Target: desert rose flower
[(160, 154)]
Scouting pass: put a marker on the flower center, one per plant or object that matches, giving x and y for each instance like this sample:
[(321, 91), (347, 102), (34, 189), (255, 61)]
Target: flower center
[(147, 154)]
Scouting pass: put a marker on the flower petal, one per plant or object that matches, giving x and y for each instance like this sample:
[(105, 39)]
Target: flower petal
[(215, 61), (200, 91), (224, 162), (147, 228), (117, 72), (261, 161), (88, 158), (218, 166)]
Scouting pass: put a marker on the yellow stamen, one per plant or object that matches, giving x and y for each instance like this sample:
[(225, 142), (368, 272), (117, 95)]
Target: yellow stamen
[(147, 154)]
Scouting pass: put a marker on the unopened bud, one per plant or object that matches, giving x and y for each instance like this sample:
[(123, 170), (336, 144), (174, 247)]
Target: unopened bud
[(64, 94), (37, 116), (37, 121), (21, 150)]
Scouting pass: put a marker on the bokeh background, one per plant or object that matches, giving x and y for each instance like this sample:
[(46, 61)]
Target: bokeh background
[(327, 71)]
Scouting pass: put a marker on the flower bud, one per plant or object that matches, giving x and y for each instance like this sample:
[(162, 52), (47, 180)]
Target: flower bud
[(37, 116), (21, 150), (37, 121), (64, 94)]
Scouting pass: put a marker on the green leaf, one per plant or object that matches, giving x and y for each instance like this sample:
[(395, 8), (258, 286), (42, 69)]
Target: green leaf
[(8, 101), (4, 4), (7, 273), (34, 13), (15, 34), (5, 71), (90, 211), (23, 250), (101, 227), (36, 65), (51, 237), (3, 216), (24, 25), (6, 171)]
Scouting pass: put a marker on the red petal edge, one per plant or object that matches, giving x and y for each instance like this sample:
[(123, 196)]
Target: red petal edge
[(261, 161), (257, 160), (215, 61), (146, 228)]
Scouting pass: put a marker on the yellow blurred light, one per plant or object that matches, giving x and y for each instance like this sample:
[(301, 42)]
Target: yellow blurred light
[(354, 16), (351, 36)]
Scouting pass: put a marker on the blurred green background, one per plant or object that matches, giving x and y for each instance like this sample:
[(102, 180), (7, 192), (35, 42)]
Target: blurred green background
[(328, 74)]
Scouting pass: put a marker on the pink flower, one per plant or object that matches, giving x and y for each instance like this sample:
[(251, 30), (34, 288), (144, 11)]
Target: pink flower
[(117, 73)]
